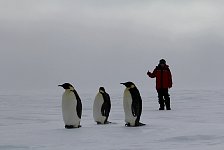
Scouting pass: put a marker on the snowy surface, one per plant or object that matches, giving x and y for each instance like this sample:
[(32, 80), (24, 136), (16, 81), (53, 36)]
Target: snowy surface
[(32, 120)]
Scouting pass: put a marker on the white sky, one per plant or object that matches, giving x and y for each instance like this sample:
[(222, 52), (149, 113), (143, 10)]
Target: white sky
[(93, 43)]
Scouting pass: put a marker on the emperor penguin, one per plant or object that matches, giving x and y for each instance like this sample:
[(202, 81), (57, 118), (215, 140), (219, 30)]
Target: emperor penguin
[(101, 107), (71, 107), (132, 103)]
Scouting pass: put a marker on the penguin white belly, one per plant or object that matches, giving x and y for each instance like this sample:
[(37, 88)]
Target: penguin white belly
[(97, 105), (127, 102), (69, 112)]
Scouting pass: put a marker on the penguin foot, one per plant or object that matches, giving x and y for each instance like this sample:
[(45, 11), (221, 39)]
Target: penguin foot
[(98, 122), (136, 125), (127, 125), (106, 122), (71, 126)]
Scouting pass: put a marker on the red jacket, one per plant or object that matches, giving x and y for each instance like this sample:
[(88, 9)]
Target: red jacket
[(163, 76)]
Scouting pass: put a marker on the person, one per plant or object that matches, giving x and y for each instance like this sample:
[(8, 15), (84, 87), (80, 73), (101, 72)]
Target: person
[(163, 77)]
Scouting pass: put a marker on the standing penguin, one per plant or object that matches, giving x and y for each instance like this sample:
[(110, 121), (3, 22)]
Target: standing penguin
[(132, 103), (101, 107), (71, 107)]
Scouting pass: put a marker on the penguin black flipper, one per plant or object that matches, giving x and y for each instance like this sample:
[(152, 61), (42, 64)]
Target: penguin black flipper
[(105, 110), (136, 103), (79, 104)]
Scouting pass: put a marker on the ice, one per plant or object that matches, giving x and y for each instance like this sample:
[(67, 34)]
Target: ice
[(32, 120)]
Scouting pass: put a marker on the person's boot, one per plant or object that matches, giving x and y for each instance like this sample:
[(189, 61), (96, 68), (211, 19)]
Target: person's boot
[(167, 102), (168, 106), (161, 103)]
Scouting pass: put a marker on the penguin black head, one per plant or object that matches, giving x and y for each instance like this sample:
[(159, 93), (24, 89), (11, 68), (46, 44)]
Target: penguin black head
[(129, 84), (67, 86), (102, 90)]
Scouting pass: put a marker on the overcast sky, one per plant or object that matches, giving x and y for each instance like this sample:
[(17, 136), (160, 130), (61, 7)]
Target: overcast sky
[(92, 43)]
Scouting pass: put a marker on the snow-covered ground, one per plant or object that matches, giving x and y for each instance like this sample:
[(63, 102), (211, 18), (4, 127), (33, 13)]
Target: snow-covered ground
[(32, 120)]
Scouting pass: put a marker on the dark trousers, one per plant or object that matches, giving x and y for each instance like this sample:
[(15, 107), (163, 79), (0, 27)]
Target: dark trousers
[(164, 98)]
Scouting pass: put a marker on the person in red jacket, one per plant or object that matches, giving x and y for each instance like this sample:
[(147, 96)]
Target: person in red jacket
[(163, 77)]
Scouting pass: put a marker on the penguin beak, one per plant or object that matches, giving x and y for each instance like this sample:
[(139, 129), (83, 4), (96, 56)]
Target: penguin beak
[(60, 85), (124, 84)]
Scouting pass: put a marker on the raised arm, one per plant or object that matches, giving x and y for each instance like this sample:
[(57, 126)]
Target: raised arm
[(153, 74)]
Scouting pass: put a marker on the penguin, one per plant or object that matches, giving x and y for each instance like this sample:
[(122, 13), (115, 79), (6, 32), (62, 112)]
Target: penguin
[(132, 103), (101, 107), (71, 107)]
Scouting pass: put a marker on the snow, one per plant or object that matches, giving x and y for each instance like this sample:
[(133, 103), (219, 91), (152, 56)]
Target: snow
[(32, 120)]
